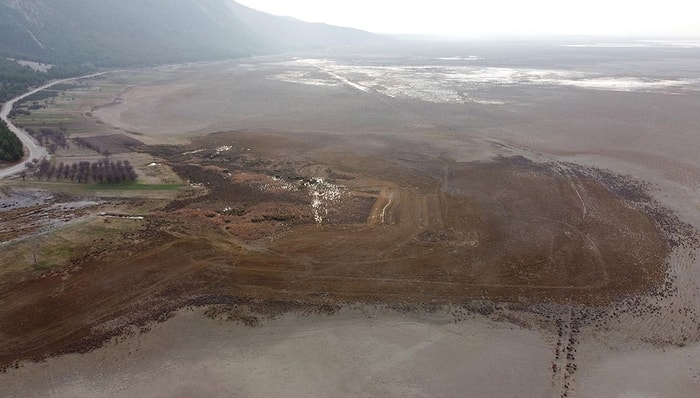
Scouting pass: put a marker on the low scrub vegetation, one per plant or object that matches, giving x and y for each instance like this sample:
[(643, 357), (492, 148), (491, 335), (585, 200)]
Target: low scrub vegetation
[(51, 138)]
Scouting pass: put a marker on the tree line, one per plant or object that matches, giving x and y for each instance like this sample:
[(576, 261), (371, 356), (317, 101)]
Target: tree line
[(15, 79), (102, 171), (11, 148)]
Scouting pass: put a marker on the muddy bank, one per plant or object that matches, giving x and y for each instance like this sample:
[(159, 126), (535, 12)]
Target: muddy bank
[(326, 228)]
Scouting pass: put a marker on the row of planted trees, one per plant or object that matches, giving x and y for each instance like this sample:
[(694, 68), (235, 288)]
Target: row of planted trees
[(102, 171)]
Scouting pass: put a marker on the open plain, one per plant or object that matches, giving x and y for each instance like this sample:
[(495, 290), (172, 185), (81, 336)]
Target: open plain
[(448, 220)]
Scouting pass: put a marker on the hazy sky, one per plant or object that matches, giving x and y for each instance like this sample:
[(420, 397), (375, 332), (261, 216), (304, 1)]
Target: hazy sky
[(500, 17)]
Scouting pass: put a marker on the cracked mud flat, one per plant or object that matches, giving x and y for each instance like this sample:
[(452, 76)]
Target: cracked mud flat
[(446, 265)]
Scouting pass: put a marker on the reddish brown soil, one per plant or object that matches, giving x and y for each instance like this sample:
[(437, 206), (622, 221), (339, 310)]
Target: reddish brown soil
[(408, 232)]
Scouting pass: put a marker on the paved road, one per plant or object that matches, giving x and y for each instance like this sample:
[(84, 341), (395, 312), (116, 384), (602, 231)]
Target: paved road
[(35, 150)]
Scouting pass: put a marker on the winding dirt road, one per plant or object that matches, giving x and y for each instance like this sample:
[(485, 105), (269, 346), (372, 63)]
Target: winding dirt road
[(35, 150)]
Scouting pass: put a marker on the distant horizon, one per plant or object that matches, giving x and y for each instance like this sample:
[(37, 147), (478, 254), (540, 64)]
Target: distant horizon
[(500, 19), (552, 37)]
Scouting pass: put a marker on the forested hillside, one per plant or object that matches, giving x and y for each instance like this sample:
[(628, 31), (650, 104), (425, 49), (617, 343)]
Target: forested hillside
[(11, 149), (79, 36), (139, 32), (15, 78)]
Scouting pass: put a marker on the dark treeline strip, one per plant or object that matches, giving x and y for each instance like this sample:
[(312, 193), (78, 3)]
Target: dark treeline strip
[(11, 148), (102, 171)]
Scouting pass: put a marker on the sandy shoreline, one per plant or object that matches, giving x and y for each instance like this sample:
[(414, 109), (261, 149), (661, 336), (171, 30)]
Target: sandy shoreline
[(360, 351), (354, 353)]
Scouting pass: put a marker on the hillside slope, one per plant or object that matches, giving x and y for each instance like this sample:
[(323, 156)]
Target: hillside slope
[(138, 32)]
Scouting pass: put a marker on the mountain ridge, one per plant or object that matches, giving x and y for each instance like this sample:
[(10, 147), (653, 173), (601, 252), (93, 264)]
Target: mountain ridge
[(141, 32)]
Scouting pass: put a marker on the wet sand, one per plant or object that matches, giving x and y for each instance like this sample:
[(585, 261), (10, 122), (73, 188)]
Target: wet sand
[(364, 352)]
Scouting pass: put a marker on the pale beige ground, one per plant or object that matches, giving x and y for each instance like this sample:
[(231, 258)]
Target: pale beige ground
[(652, 136), (351, 354), (641, 372)]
